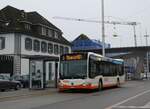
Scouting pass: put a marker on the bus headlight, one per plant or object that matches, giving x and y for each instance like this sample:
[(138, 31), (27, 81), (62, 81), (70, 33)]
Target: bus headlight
[(60, 84), (86, 84)]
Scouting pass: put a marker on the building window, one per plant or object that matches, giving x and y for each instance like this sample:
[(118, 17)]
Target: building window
[(50, 48), (61, 50), (56, 34), (28, 44), (50, 33), (56, 49), (66, 50), (2, 43), (36, 45), (44, 47), (44, 31), (27, 26)]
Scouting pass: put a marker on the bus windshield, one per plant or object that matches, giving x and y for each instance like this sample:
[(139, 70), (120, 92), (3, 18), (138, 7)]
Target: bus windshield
[(73, 69)]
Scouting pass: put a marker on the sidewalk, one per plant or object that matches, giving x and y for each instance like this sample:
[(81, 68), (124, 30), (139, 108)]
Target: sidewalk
[(24, 93)]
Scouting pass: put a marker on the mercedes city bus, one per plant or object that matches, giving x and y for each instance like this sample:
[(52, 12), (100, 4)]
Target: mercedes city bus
[(89, 71)]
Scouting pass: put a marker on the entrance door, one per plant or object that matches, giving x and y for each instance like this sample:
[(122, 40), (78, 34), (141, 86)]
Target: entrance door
[(50, 74), (50, 71), (36, 75)]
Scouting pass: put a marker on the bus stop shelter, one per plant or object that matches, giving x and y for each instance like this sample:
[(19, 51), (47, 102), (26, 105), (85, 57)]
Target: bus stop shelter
[(37, 70)]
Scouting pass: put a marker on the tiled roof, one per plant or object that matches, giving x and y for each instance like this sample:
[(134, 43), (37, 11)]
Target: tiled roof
[(82, 37), (36, 18), (13, 16), (82, 42), (10, 13)]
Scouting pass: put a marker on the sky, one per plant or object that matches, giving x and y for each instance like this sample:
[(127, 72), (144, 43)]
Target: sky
[(115, 10)]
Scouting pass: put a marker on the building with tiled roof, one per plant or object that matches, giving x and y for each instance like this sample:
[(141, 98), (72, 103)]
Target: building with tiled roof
[(29, 43), (83, 42)]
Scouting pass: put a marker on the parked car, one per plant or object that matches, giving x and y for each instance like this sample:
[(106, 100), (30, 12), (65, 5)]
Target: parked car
[(7, 83), (24, 79)]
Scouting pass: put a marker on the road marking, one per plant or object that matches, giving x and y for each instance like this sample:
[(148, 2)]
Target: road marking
[(119, 103), (131, 107), (147, 105), (22, 96)]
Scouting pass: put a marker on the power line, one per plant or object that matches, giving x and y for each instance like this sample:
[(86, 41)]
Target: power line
[(134, 24)]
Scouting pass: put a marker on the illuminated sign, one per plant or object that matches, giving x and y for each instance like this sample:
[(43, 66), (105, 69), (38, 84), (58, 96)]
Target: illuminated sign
[(73, 57)]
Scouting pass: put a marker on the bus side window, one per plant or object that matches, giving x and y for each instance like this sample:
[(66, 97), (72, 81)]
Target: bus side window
[(106, 69), (121, 70), (98, 68), (117, 67), (92, 69), (101, 68), (103, 71), (111, 72), (114, 70)]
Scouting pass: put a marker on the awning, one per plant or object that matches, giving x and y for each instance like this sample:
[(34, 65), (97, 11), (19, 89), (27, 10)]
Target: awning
[(6, 58), (40, 57)]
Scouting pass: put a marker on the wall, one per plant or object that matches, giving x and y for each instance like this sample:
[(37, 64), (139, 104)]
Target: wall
[(26, 52), (24, 66), (9, 44)]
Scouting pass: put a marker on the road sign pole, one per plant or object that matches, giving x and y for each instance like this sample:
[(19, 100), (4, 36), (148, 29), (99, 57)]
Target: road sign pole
[(103, 29)]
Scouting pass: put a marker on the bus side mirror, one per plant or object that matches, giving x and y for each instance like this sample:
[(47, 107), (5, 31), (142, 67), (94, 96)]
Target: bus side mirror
[(60, 75)]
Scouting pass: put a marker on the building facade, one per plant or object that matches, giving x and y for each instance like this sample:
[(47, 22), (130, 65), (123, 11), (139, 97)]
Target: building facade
[(29, 43), (82, 42)]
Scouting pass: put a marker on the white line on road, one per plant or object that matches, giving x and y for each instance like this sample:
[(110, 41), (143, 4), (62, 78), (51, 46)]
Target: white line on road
[(119, 103), (147, 105), (131, 107)]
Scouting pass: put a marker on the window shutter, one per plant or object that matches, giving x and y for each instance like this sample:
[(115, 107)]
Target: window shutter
[(3, 43)]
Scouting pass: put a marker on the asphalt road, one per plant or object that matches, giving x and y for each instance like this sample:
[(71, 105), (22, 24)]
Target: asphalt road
[(132, 95)]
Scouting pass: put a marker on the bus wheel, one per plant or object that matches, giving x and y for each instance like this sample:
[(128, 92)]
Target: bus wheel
[(118, 82), (100, 85)]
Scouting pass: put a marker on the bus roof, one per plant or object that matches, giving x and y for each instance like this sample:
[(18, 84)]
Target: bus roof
[(98, 55), (116, 61)]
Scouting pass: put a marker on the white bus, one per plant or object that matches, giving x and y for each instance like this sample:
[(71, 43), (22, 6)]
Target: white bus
[(89, 71)]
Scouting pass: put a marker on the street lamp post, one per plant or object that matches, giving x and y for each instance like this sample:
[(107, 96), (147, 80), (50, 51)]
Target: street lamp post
[(147, 55), (103, 29), (135, 40)]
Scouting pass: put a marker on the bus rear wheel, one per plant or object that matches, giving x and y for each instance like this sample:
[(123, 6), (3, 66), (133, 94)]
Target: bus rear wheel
[(118, 82)]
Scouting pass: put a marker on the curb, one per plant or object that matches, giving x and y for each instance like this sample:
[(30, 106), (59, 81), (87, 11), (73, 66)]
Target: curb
[(30, 94)]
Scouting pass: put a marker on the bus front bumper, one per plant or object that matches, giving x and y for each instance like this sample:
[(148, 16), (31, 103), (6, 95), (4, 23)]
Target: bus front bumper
[(67, 87)]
